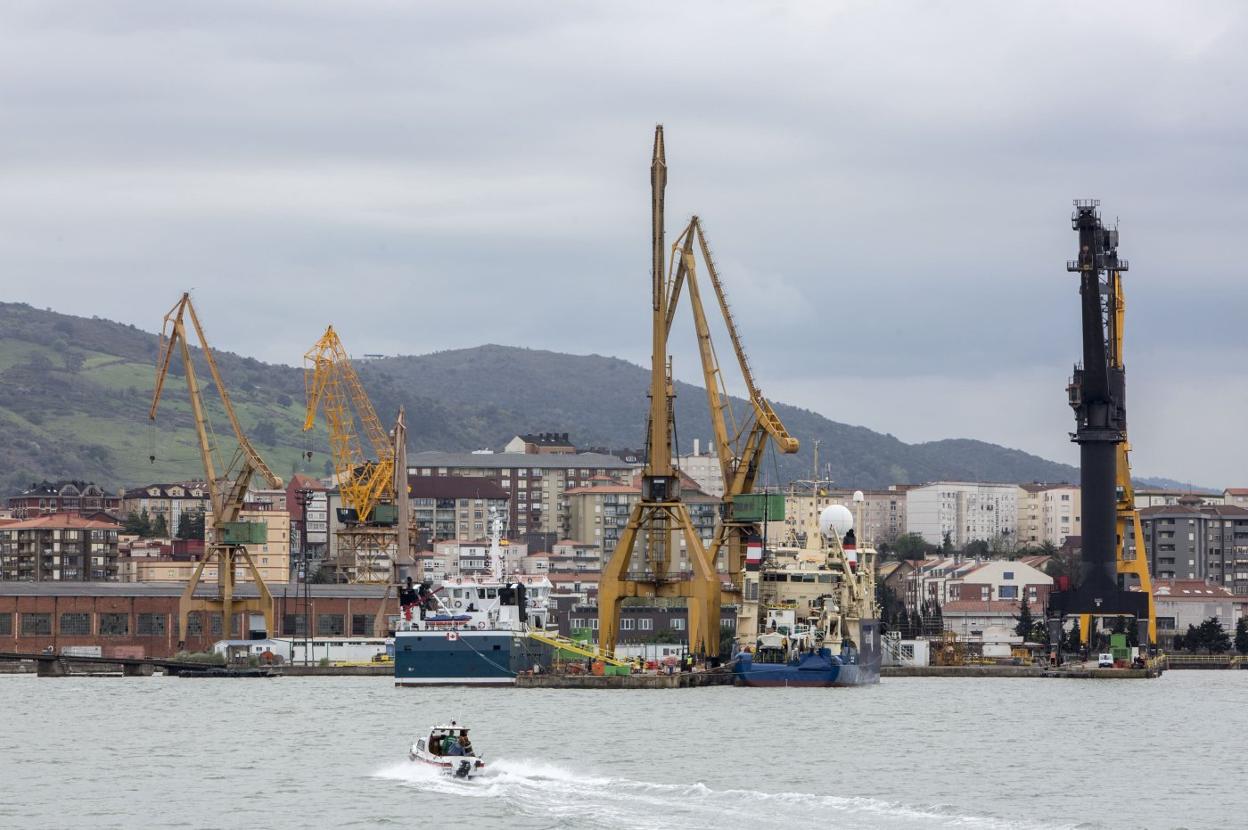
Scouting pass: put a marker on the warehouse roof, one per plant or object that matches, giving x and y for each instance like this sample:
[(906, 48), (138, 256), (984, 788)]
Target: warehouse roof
[(172, 589)]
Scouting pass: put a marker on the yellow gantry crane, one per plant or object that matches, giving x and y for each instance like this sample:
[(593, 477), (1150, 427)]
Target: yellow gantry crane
[(740, 447), (366, 480), (1128, 515), (227, 484), (660, 519), (660, 515)]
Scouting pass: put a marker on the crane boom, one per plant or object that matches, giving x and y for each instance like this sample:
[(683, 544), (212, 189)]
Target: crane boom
[(334, 387)]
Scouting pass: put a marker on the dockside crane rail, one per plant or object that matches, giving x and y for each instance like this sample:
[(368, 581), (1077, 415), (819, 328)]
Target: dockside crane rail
[(334, 387), (227, 483)]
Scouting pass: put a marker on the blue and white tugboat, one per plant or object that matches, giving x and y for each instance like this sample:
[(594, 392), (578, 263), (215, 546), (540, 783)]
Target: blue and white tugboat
[(473, 631), (820, 626)]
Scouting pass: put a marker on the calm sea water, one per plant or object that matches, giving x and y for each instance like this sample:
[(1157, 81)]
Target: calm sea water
[(910, 753)]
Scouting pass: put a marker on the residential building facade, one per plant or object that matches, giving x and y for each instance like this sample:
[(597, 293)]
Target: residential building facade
[(1191, 540), (455, 507), (169, 502), (537, 482), (1048, 513), (81, 498), (965, 511), (59, 547)]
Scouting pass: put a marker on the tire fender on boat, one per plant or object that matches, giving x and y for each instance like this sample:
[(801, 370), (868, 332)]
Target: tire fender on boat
[(481, 625)]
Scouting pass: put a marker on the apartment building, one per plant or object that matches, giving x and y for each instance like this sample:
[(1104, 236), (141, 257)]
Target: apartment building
[(881, 514), (966, 511), (455, 507), (81, 498), (169, 502), (58, 547), (537, 483), (1048, 513), (1191, 540), (599, 513), (703, 468)]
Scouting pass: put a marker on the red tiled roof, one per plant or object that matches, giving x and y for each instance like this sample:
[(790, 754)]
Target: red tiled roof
[(606, 489), (62, 521), (996, 606), (1195, 589)]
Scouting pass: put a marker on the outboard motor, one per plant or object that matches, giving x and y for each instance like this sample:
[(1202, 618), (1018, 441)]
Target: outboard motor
[(463, 769)]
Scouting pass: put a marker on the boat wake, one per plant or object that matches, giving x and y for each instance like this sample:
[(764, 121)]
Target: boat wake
[(570, 799)]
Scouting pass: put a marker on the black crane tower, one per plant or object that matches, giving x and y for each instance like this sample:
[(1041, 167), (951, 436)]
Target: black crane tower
[(1098, 394)]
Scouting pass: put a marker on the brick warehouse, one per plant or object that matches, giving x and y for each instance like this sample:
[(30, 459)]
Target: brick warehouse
[(141, 620)]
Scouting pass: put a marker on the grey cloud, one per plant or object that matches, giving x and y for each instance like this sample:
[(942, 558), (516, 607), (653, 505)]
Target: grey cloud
[(887, 185)]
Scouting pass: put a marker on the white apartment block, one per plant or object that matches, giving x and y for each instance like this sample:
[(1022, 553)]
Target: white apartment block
[(881, 516), (1047, 513), (702, 467), (967, 511)]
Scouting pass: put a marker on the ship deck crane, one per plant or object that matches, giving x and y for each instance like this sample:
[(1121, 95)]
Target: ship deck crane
[(366, 480), (227, 483)]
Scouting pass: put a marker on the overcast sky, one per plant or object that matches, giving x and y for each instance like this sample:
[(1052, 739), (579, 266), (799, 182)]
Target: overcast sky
[(887, 187)]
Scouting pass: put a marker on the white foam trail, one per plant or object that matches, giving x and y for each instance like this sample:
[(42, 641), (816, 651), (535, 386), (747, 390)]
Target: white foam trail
[(537, 789)]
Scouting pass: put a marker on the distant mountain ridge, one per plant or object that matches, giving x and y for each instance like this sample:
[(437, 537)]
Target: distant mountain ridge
[(74, 394)]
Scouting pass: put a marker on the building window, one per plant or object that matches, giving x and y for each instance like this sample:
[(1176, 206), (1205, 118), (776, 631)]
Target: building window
[(361, 625), (645, 624), (1008, 575), (151, 625), (329, 625), (36, 625), (727, 623), (626, 625), (1009, 592), (114, 625), (6, 624), (292, 625), (678, 624), (75, 625), (194, 624)]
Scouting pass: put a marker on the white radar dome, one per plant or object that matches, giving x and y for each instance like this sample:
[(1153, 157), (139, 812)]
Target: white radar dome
[(835, 519), (858, 496)]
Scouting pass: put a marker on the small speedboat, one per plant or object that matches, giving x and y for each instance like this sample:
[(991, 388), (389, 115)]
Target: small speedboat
[(447, 747)]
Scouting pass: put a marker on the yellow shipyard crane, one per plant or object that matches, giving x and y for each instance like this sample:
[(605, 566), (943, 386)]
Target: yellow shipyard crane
[(660, 520), (739, 446), (365, 476), (227, 484)]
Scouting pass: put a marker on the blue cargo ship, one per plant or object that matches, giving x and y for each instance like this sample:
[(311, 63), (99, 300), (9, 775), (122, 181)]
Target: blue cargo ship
[(780, 665)]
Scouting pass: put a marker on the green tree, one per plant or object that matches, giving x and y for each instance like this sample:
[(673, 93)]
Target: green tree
[(1213, 636), (1241, 635), (946, 542), (910, 546), (191, 524), (160, 528), (136, 525), (1025, 620), (1074, 637), (1192, 640), (976, 549)]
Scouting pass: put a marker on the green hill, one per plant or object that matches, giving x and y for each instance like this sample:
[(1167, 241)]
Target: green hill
[(74, 394)]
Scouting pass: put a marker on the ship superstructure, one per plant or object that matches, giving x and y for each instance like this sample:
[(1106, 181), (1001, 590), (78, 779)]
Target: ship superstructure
[(818, 622), (473, 630)]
